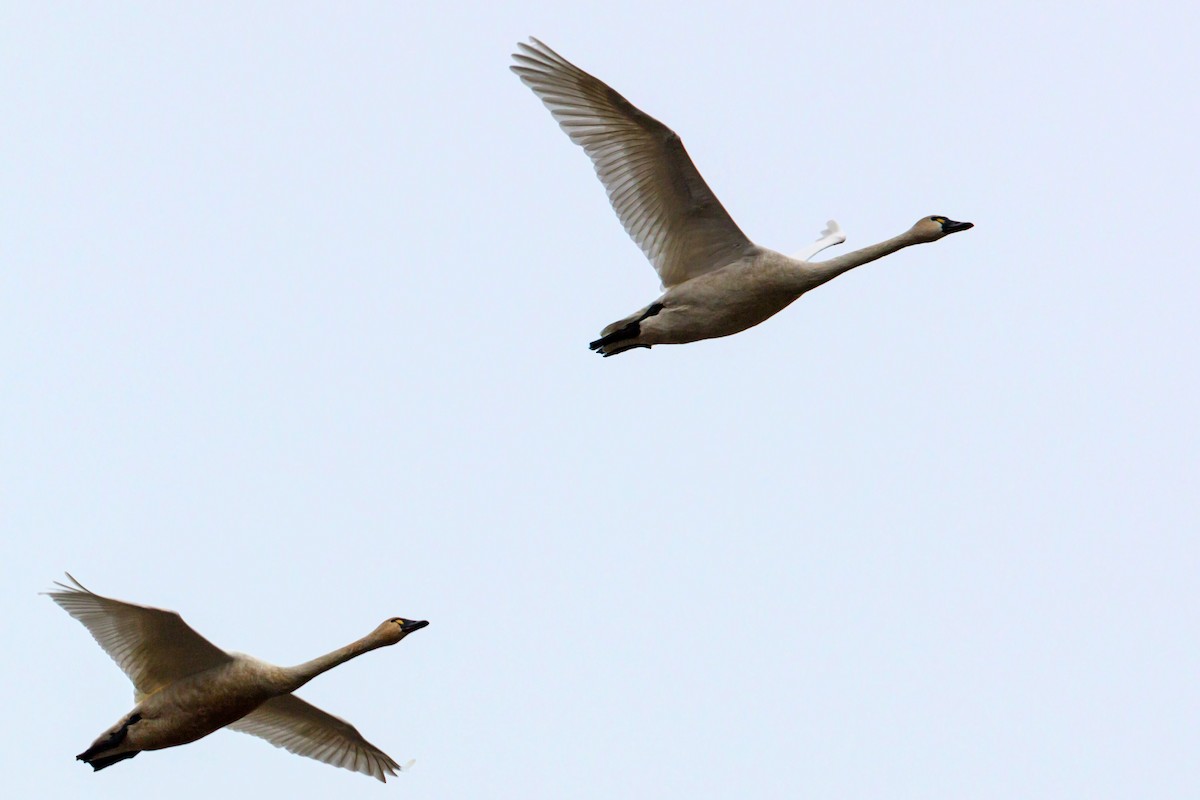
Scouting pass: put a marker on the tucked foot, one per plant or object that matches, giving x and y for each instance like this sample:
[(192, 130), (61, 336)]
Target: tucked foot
[(620, 339)]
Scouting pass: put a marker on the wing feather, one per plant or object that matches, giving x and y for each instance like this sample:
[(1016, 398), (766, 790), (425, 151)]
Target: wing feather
[(831, 235), (303, 729), (152, 646), (659, 196)]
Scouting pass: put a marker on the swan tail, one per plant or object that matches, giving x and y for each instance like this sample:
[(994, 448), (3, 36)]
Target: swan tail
[(623, 335), (100, 754)]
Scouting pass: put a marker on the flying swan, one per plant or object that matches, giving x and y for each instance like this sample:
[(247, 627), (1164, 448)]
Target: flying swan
[(717, 281), (186, 687)]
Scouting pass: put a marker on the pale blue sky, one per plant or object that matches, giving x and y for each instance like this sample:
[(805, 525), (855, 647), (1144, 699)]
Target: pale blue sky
[(294, 312)]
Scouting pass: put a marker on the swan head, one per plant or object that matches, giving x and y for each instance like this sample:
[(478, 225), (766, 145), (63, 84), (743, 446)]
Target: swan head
[(397, 628), (930, 229)]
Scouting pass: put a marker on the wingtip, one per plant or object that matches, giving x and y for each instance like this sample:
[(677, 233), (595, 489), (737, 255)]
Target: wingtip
[(393, 769), (832, 229), (77, 587), (533, 45)]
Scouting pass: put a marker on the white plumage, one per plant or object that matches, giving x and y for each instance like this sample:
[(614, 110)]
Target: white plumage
[(831, 235)]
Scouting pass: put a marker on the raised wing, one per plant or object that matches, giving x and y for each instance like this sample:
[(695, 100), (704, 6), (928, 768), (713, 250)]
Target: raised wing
[(832, 235), (652, 184), (153, 647), (298, 727)]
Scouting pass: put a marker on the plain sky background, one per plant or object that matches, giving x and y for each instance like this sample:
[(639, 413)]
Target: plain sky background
[(294, 306)]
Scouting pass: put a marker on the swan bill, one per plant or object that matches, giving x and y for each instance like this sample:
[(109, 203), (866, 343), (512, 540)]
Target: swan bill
[(950, 226)]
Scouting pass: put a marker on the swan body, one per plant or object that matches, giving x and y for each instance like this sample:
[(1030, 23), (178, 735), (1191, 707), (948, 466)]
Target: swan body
[(717, 281), (186, 687)]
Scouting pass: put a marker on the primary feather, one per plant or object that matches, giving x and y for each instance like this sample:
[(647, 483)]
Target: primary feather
[(654, 187)]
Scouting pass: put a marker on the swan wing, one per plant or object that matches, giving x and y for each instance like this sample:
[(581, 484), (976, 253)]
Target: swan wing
[(301, 728), (656, 190), (153, 647), (830, 236)]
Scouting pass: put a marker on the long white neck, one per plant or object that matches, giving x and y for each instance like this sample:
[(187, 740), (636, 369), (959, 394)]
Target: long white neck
[(823, 271), (303, 673)]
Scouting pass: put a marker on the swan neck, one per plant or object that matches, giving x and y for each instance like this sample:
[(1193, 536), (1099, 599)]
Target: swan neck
[(828, 270), (303, 673)]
